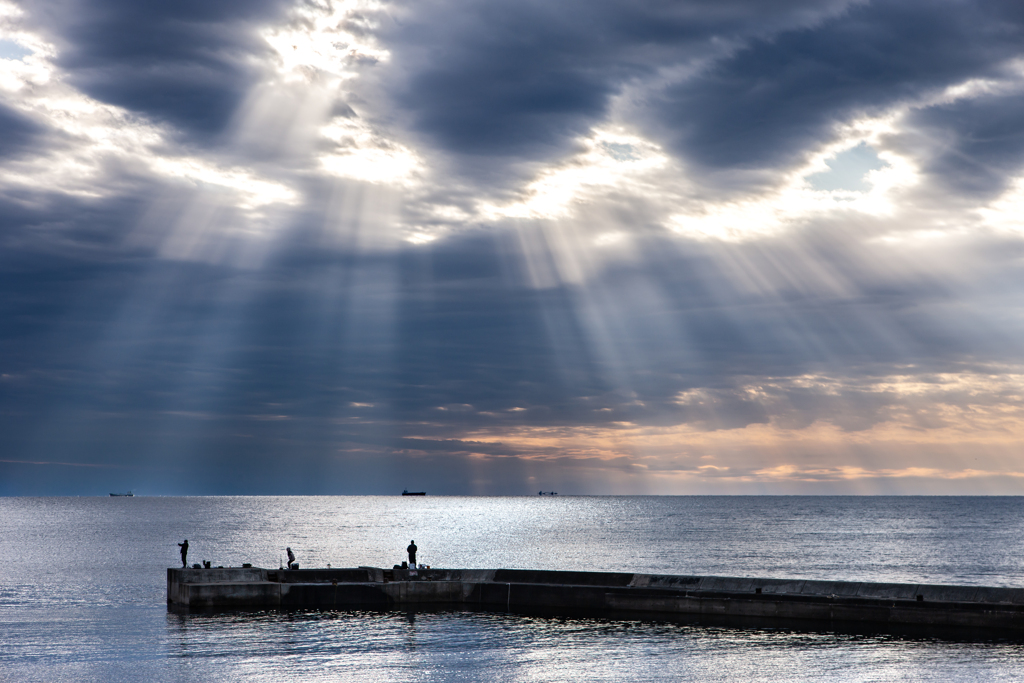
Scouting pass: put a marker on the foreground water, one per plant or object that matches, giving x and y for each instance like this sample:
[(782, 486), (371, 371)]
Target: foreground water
[(82, 593)]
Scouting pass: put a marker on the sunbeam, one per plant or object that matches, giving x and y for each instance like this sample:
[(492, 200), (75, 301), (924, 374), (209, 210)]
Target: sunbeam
[(361, 246)]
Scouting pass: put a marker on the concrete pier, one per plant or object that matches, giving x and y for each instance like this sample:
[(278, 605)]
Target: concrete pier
[(602, 594)]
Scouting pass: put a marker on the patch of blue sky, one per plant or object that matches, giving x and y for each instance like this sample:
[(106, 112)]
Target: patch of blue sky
[(848, 170), (620, 151), (11, 50)]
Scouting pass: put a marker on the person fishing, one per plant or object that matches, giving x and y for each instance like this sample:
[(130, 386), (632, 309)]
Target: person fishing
[(412, 553), (291, 558), (184, 553)]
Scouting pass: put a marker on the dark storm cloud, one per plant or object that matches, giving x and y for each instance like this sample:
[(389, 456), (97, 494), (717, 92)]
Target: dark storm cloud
[(972, 146), (772, 81), (37, 225), (775, 100), (187, 63), (19, 132), (521, 79)]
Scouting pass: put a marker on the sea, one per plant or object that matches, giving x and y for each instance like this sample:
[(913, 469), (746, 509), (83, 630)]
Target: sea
[(83, 586)]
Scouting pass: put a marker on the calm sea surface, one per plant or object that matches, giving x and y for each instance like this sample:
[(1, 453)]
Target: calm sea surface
[(82, 586)]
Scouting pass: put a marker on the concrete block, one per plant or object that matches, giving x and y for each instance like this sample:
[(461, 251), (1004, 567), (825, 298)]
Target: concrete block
[(1011, 596), (726, 584), (225, 575), (425, 592), (231, 595), (331, 596), (934, 593), (828, 588), (563, 578), (887, 591), (361, 575), (374, 574), (665, 581), (780, 586)]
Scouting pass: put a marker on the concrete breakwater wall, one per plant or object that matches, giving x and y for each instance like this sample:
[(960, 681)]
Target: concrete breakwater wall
[(600, 593)]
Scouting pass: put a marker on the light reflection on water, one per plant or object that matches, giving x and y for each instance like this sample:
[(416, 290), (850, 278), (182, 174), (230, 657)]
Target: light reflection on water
[(367, 646), (84, 596)]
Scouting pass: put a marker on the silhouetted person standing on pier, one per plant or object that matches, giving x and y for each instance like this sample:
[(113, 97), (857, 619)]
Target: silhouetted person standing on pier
[(184, 553), (412, 553)]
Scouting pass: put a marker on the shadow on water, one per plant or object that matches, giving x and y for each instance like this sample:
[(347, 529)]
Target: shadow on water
[(183, 620)]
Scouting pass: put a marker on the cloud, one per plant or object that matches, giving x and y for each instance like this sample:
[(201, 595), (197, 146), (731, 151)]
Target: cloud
[(20, 132), (777, 99), (600, 245), (522, 80), (189, 64), (974, 145)]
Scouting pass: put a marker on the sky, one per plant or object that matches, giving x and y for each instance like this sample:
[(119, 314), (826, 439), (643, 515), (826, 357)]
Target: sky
[(493, 247)]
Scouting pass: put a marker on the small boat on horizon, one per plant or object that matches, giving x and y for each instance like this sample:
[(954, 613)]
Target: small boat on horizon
[(407, 492), (547, 493), (122, 495)]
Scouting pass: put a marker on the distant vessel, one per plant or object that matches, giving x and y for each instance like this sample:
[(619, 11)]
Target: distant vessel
[(413, 493), (123, 495), (547, 493)]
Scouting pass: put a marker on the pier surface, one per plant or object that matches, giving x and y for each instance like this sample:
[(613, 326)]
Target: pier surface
[(601, 594)]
